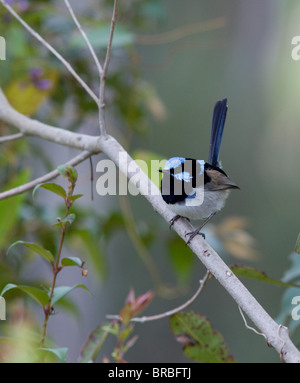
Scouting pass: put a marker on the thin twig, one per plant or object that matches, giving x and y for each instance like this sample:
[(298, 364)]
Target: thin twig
[(49, 176), (105, 69), (171, 312), (12, 137), (52, 50), (92, 178), (48, 308), (112, 29), (78, 25), (56, 269), (251, 328)]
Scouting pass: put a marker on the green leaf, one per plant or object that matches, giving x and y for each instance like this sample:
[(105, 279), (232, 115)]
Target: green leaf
[(72, 261), (200, 341), (37, 294), (250, 272), (297, 247), (93, 345), (73, 175), (60, 353), (75, 197), (54, 188), (10, 207), (63, 169), (61, 291), (8, 287), (46, 254), (67, 305), (182, 258), (68, 171), (125, 332)]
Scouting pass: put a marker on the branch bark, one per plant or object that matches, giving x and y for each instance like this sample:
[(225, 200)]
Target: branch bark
[(12, 137), (277, 336), (31, 127)]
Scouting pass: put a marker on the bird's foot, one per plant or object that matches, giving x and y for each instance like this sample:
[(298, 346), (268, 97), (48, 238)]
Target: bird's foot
[(193, 234), (198, 231), (174, 219)]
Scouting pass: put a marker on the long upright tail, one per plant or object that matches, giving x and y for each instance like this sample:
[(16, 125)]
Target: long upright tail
[(218, 122)]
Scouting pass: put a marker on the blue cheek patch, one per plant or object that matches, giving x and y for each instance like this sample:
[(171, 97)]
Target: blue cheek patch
[(183, 176), (174, 162), (186, 170)]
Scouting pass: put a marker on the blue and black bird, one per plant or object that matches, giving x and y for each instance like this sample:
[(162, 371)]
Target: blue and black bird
[(196, 189)]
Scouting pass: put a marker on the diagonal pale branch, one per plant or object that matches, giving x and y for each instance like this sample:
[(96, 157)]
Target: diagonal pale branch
[(207, 255), (51, 49), (11, 137), (276, 335), (46, 177), (28, 126)]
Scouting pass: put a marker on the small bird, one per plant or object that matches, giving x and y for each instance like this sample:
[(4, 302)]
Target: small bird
[(195, 189)]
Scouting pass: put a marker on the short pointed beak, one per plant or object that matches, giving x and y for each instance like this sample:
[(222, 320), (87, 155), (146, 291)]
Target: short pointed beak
[(232, 184), (164, 171)]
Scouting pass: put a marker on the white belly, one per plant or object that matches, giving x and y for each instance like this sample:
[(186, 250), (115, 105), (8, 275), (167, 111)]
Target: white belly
[(213, 201)]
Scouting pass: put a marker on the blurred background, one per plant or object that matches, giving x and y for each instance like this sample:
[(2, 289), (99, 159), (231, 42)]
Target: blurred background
[(171, 62)]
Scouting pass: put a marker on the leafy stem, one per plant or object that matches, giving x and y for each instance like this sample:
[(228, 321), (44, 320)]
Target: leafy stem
[(71, 174), (56, 269)]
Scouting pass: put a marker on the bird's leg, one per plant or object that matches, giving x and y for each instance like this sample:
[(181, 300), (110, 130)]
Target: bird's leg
[(193, 234), (174, 219)]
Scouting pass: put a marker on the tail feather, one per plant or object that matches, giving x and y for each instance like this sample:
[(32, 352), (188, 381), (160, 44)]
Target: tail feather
[(218, 122)]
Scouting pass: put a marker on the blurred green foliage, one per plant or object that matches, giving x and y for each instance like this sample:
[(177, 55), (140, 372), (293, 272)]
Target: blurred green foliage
[(200, 341)]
